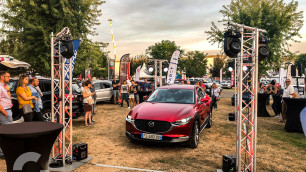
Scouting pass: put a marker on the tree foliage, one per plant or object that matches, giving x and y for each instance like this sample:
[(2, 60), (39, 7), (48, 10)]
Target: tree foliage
[(281, 20), (301, 60), (219, 63), (163, 50), (195, 64), (27, 26)]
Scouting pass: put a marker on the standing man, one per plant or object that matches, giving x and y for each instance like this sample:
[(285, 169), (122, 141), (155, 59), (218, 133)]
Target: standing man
[(5, 99), (33, 84), (288, 91), (203, 86), (146, 85), (116, 93)]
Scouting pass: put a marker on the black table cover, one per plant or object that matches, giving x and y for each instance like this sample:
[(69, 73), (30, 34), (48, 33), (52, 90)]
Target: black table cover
[(28, 137), (261, 107), (142, 94), (294, 108)]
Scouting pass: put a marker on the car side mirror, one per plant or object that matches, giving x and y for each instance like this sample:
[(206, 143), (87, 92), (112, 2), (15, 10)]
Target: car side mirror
[(145, 98), (204, 100)]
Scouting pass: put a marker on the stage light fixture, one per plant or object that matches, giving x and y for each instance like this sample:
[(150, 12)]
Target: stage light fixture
[(165, 66), (66, 45), (263, 50), (230, 69), (232, 43), (151, 66)]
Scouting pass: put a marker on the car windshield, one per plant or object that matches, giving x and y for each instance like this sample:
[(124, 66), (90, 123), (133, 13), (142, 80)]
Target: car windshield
[(181, 96)]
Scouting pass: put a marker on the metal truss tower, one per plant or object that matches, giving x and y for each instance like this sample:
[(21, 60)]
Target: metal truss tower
[(247, 83), (158, 66), (61, 94)]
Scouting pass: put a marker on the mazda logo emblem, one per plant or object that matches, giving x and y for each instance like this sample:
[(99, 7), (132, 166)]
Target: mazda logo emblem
[(151, 124)]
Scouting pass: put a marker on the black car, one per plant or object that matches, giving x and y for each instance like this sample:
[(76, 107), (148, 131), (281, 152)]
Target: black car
[(45, 87)]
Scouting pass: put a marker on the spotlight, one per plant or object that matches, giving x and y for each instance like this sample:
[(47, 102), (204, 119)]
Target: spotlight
[(232, 43), (66, 45), (165, 66), (244, 68), (263, 50), (230, 69), (151, 66)]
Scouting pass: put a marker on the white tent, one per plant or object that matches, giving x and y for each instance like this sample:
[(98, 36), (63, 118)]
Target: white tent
[(11, 62), (143, 73)]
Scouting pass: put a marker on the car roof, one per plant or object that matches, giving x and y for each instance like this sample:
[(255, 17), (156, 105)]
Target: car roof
[(175, 86), (96, 81)]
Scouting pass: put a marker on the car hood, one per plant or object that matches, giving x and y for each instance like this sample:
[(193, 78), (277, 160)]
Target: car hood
[(161, 111)]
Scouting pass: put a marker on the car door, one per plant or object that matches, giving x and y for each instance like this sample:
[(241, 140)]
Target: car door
[(107, 91), (99, 91)]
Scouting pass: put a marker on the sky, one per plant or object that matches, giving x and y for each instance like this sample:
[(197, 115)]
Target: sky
[(138, 24)]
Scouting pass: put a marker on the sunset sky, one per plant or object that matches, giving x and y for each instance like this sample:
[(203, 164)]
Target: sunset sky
[(138, 24)]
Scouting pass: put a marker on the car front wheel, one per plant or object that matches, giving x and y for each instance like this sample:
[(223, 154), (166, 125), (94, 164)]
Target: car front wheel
[(209, 124), (194, 140)]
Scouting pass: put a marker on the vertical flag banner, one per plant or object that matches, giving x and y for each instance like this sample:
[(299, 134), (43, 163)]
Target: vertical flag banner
[(76, 44), (221, 75), (124, 67), (172, 67), (232, 78), (137, 75)]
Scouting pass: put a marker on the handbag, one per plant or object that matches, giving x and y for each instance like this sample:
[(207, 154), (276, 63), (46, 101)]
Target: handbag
[(27, 109), (119, 100), (91, 101)]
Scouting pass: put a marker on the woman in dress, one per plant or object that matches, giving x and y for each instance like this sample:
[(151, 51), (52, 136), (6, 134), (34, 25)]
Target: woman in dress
[(88, 101)]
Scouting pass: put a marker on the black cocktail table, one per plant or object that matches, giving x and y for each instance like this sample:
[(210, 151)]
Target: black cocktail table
[(294, 108), (27, 146), (261, 107)]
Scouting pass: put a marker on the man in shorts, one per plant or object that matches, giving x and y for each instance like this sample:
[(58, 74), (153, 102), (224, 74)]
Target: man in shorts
[(116, 87)]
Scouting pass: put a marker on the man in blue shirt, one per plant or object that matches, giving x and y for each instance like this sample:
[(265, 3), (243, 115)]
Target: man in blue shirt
[(34, 82)]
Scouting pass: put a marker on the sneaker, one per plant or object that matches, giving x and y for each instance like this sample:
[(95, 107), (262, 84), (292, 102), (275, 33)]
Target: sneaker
[(129, 107)]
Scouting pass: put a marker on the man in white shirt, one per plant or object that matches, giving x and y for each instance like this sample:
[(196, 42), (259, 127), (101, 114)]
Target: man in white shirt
[(288, 91)]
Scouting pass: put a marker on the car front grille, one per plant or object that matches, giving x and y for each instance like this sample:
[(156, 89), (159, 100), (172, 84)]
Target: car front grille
[(152, 126)]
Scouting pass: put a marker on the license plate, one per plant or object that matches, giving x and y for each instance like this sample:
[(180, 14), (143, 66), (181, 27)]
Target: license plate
[(151, 136)]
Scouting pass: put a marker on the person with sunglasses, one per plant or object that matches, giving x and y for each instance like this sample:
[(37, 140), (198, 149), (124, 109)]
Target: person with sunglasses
[(5, 99)]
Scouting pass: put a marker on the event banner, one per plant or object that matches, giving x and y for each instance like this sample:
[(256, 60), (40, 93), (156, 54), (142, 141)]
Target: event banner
[(76, 44), (172, 67), (232, 79), (111, 68), (137, 75), (124, 67)]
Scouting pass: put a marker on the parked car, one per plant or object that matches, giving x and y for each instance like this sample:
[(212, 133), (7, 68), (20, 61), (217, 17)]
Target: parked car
[(226, 84), (174, 113), (45, 87), (104, 90)]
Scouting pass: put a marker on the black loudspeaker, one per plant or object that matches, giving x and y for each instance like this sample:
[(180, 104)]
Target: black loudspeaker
[(229, 163), (300, 70), (232, 46), (80, 151), (231, 117), (67, 49), (263, 51), (293, 70)]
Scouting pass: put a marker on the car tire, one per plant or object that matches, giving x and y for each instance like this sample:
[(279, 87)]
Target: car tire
[(194, 140), (47, 115), (210, 122)]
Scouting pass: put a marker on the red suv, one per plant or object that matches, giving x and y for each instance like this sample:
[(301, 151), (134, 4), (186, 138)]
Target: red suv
[(176, 113)]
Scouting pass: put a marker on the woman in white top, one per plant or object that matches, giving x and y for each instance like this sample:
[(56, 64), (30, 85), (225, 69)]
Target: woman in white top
[(215, 93), (124, 90)]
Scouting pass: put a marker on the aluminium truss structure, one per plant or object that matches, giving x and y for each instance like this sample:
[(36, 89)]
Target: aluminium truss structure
[(247, 83), (61, 94), (158, 66)]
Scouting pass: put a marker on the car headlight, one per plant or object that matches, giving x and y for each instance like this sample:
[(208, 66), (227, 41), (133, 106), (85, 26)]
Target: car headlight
[(129, 118), (182, 121)]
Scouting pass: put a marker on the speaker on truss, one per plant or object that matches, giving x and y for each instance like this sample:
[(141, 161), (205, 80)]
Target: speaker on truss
[(232, 43), (300, 70), (263, 48)]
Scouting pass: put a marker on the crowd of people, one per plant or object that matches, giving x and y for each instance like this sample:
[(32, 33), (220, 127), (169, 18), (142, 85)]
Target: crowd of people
[(28, 97), (279, 107)]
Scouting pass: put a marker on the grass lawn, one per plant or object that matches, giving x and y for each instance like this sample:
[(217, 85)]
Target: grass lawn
[(277, 150)]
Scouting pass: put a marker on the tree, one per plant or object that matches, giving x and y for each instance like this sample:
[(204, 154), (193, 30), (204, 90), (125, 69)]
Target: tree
[(195, 64), (163, 50), (301, 60), (282, 22), (218, 64), (27, 26)]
